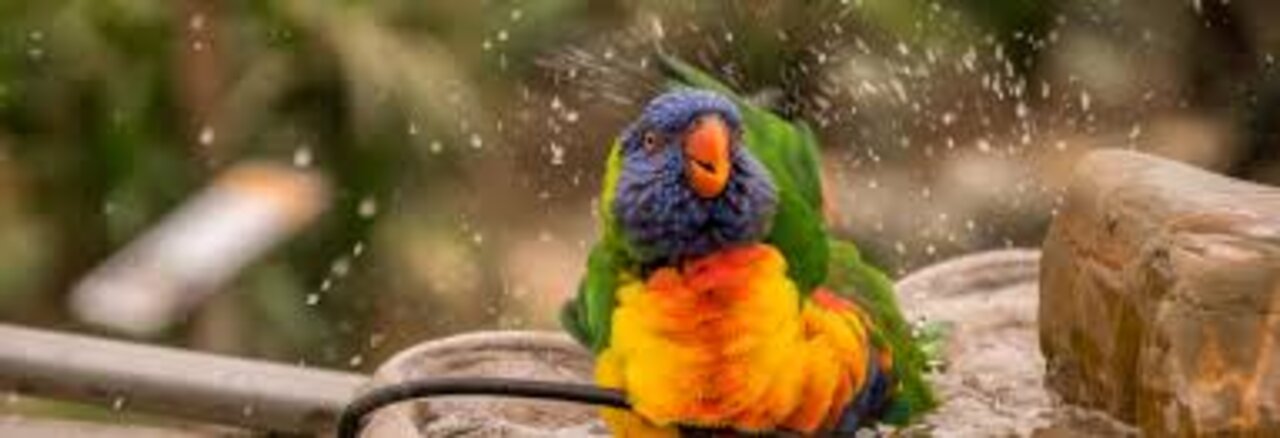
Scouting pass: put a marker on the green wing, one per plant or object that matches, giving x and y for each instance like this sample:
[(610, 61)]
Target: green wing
[(790, 152), (872, 290), (589, 316)]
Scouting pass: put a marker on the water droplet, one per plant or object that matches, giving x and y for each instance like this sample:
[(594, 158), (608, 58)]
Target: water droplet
[(413, 128), (571, 117), (358, 249), (476, 141), (368, 207), (436, 147), (118, 403), (1135, 132), (517, 14), (502, 35), (313, 298), (1085, 101), (655, 26), (970, 59), (207, 136), (248, 411), (197, 22), (340, 267), (478, 238), (355, 361), (326, 285), (948, 118), (302, 156), (728, 37), (984, 145), (557, 154)]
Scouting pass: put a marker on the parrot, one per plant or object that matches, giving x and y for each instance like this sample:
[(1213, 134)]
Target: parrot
[(716, 298)]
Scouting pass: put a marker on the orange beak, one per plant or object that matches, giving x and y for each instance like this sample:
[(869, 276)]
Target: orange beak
[(706, 149)]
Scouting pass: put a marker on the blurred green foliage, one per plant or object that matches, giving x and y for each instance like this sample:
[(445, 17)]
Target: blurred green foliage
[(111, 112)]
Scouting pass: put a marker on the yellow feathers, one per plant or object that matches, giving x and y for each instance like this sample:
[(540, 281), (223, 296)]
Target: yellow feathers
[(726, 342)]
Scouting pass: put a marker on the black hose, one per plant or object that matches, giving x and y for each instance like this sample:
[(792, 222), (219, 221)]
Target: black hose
[(352, 417)]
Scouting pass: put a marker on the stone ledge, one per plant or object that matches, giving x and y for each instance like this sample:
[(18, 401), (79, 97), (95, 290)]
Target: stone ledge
[(1160, 287)]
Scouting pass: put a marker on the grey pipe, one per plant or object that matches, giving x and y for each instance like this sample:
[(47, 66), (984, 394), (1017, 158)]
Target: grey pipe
[(168, 381)]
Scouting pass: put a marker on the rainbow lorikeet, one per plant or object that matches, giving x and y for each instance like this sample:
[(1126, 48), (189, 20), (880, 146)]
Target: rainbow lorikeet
[(717, 300)]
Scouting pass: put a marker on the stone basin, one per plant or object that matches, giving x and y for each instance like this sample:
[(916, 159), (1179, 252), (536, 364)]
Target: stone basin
[(992, 383)]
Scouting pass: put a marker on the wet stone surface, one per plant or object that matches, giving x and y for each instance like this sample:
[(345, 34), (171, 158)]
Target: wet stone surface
[(992, 379), (991, 383), (545, 356)]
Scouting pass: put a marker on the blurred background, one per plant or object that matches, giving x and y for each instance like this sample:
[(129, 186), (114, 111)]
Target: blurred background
[(463, 142)]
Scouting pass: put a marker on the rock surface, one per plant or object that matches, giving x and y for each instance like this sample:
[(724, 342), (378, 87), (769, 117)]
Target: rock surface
[(992, 384), (543, 356), (1161, 297)]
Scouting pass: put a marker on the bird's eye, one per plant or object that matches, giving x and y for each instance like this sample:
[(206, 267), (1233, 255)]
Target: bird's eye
[(650, 141)]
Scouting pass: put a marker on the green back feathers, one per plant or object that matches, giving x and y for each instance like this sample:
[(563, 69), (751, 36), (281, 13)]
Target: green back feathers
[(589, 317), (611, 241), (872, 290), (790, 152)]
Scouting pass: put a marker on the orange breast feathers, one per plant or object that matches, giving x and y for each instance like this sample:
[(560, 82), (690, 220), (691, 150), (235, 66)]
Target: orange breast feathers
[(726, 342)]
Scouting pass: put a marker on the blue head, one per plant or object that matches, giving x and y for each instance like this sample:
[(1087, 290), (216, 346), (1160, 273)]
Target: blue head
[(688, 186)]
